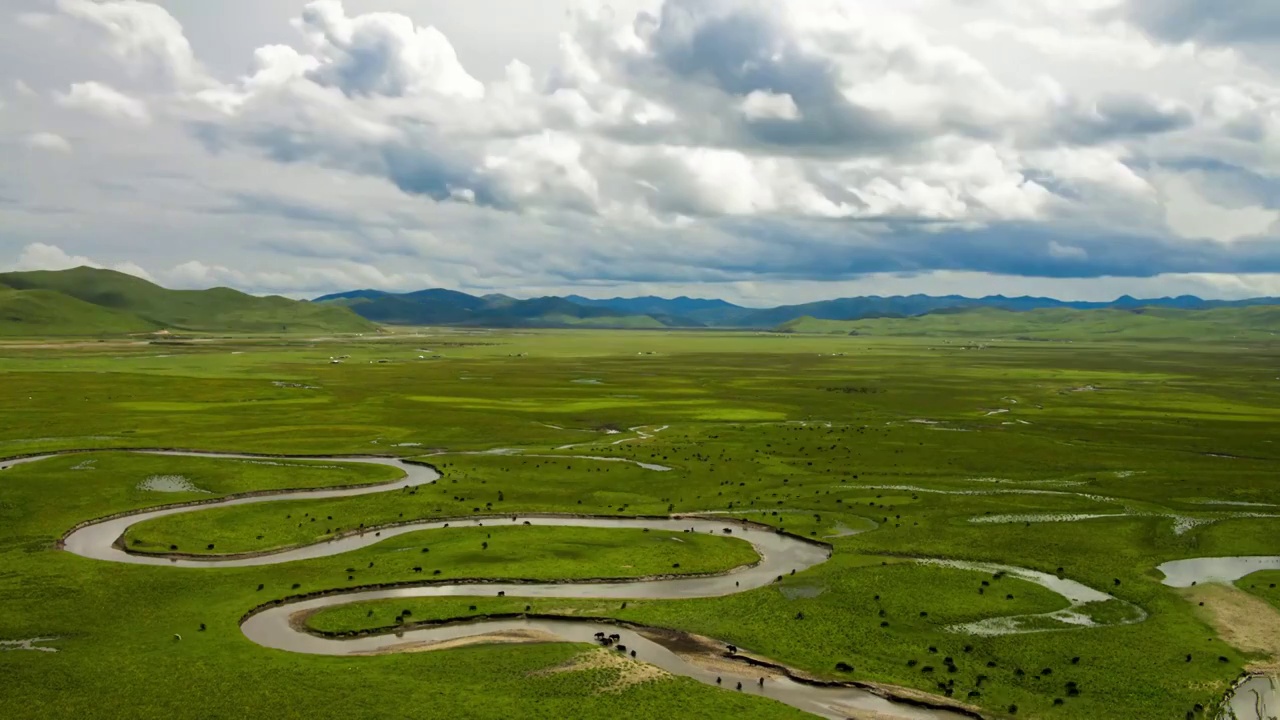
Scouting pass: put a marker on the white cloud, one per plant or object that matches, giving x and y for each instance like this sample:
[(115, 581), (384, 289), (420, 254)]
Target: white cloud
[(700, 140), (382, 54), (302, 281), (1100, 167), (48, 141), (105, 101), (762, 105), (40, 256), (299, 281), (1191, 214), (143, 36)]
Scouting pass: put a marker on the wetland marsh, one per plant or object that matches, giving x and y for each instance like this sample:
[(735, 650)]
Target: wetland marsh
[(912, 548)]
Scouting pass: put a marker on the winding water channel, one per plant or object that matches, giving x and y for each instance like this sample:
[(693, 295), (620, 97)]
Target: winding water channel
[(780, 555)]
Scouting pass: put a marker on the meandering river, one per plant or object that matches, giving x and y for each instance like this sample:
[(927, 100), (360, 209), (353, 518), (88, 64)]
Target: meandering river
[(780, 554)]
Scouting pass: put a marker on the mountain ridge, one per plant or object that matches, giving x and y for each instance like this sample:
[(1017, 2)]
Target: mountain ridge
[(92, 301), (450, 307)]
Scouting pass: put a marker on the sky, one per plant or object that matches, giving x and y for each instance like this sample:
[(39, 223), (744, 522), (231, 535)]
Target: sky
[(763, 152)]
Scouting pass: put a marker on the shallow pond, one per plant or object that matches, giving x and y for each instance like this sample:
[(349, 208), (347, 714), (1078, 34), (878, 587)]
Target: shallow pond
[(1185, 573), (169, 484), (1258, 698)]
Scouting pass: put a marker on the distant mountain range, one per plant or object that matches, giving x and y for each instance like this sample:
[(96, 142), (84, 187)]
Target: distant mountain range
[(448, 307), (94, 302), (89, 301)]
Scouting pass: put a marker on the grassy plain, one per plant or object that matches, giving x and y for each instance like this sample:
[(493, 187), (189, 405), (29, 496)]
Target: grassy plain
[(1265, 585), (933, 449), (1256, 324)]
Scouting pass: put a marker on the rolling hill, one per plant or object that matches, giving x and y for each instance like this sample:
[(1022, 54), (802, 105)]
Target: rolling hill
[(91, 301), (448, 307), (32, 313)]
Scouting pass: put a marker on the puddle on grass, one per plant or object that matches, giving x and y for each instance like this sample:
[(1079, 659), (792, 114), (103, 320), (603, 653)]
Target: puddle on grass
[(1043, 518), (1183, 525), (29, 644), (1233, 503), (169, 484), (1257, 698), (1077, 594), (802, 591), (1002, 491), (277, 463), (1185, 573), (645, 465), (521, 453), (587, 381), (1006, 481), (842, 530), (298, 386)]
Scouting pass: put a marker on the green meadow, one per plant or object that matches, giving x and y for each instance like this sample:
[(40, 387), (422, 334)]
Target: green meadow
[(1093, 460), (1265, 584)]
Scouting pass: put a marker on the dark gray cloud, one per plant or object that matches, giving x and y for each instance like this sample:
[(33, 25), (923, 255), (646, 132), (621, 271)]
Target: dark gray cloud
[(1119, 116), (841, 250), (1219, 22)]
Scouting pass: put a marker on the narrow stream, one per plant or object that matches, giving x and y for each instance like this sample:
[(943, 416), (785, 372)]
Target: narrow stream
[(780, 555), (828, 702)]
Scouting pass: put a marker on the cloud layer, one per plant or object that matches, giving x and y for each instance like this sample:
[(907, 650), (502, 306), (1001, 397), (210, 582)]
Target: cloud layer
[(676, 143)]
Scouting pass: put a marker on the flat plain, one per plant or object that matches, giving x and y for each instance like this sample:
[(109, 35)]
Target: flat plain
[(1094, 462)]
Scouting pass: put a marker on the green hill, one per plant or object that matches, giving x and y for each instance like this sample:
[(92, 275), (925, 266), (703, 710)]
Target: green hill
[(1219, 324), (89, 301), (29, 313)]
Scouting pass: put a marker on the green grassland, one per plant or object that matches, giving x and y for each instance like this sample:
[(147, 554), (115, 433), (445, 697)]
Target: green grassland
[(498, 552), (93, 302), (1265, 585), (33, 313), (928, 449), (1142, 324)]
